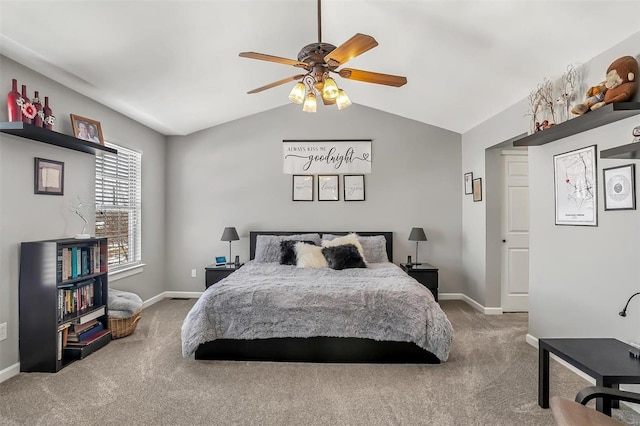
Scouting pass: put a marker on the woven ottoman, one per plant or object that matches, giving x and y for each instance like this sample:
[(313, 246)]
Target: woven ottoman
[(124, 312)]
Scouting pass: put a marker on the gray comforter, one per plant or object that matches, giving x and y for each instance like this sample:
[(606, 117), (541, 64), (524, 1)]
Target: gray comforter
[(266, 300)]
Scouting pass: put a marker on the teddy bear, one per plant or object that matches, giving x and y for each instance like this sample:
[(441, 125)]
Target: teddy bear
[(621, 82), (595, 94)]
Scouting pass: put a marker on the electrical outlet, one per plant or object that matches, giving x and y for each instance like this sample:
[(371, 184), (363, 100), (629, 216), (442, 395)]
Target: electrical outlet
[(193, 273), (3, 331)]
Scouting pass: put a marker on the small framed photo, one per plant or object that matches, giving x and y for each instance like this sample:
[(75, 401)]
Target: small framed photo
[(477, 189), (619, 187), (468, 187), (49, 177), (87, 129), (353, 187), (302, 188), (328, 188)]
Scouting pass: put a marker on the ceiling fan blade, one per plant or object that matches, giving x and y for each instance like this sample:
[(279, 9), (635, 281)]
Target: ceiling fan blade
[(276, 59), (373, 77), (356, 45), (276, 83)]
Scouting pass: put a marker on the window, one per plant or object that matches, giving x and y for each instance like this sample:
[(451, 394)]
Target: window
[(118, 205)]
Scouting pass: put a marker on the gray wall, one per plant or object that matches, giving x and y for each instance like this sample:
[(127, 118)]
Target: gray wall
[(580, 277), (231, 175), (25, 216)]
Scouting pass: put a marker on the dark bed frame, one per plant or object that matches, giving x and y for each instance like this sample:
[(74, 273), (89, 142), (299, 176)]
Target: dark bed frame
[(316, 349)]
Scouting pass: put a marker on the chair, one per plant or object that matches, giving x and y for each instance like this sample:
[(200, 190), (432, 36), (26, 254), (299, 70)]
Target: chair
[(575, 413)]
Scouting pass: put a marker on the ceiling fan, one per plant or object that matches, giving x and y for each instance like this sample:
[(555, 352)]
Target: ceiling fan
[(319, 60)]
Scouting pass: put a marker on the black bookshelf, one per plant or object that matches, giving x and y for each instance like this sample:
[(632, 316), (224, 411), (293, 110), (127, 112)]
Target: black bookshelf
[(45, 317), (40, 134), (605, 115)]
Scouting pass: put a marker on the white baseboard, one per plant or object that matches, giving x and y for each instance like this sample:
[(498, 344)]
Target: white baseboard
[(533, 341), (9, 372), (183, 294), (469, 301), (153, 300)]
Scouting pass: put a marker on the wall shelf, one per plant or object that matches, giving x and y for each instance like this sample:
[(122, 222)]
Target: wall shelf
[(629, 151), (605, 115), (40, 134)]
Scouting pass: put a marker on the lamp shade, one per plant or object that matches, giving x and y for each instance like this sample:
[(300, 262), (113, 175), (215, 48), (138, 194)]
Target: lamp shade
[(342, 100), (230, 234), (417, 234)]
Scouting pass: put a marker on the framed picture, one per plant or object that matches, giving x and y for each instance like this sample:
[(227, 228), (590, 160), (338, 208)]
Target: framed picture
[(619, 187), (353, 187), (87, 129), (302, 188), (468, 187), (49, 177), (576, 187), (477, 189), (328, 188)]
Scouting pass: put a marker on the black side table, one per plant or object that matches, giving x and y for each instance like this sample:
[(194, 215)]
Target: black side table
[(214, 273), (425, 274), (606, 360)]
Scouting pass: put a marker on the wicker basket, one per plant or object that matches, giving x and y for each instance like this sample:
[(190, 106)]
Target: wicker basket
[(122, 327)]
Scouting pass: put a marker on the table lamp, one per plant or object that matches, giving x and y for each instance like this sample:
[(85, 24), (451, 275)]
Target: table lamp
[(417, 235), (230, 234)]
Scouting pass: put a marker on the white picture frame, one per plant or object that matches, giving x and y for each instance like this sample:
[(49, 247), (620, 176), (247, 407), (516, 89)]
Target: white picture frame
[(468, 183), (619, 187), (302, 188), (353, 186), (575, 184), (328, 188)]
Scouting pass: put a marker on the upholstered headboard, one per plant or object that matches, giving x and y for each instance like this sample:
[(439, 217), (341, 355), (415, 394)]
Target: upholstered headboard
[(254, 234)]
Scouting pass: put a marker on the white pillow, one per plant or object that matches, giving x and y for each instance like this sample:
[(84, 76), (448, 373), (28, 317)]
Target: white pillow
[(310, 256), (347, 239)]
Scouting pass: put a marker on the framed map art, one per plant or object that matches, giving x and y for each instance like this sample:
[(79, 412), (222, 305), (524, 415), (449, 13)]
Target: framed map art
[(576, 192)]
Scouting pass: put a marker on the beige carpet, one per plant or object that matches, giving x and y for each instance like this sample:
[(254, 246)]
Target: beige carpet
[(490, 379)]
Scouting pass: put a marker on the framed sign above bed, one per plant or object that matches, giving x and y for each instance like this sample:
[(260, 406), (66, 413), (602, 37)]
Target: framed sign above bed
[(343, 156)]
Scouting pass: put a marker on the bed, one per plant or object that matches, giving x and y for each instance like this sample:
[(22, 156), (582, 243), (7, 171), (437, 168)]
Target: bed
[(270, 312)]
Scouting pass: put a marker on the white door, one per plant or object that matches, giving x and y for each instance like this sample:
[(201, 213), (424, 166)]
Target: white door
[(515, 232)]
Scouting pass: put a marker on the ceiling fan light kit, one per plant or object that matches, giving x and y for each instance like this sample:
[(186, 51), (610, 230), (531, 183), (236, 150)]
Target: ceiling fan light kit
[(319, 59)]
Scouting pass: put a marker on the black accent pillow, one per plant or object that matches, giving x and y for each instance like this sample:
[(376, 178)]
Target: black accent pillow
[(345, 256), (288, 252)]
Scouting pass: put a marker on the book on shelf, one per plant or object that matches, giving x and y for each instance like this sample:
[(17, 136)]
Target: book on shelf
[(75, 298), (92, 315), (90, 339), (78, 336), (77, 261)]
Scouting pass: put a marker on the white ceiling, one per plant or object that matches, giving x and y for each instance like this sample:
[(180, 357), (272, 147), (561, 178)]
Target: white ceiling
[(174, 65)]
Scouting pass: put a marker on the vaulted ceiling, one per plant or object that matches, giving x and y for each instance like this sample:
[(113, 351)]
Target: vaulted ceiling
[(174, 65)]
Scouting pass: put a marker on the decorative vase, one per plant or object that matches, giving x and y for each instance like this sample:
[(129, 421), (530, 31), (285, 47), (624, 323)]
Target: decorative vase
[(13, 109), (28, 110), (38, 120), (49, 119)]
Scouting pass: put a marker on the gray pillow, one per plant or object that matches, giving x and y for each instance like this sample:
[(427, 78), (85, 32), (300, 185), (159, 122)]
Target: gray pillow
[(268, 246), (374, 247)]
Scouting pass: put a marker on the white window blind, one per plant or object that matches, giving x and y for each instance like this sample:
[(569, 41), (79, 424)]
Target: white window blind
[(119, 205)]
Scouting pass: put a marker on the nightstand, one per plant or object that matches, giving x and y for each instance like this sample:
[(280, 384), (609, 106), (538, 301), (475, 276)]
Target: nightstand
[(425, 274), (214, 273)]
